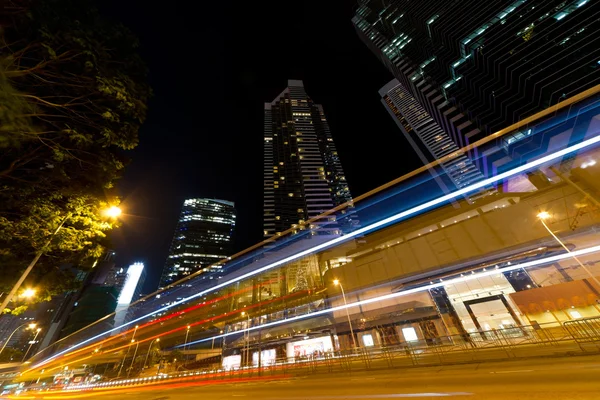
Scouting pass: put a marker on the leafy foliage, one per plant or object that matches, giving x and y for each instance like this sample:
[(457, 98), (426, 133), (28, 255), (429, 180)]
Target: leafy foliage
[(73, 95), (11, 355)]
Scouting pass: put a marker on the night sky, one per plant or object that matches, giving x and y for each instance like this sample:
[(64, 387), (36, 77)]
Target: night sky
[(212, 67)]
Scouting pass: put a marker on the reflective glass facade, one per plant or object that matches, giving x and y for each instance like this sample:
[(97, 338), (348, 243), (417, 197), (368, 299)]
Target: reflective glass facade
[(477, 67), (203, 236)]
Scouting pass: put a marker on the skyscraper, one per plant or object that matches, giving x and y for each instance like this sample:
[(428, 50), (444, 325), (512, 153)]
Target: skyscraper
[(203, 236), (303, 176), (476, 67), (129, 286), (426, 137)]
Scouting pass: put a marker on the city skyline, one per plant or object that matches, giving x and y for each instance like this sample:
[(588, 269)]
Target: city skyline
[(183, 156), (320, 187)]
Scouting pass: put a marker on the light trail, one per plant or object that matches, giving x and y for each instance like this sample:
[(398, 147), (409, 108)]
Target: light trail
[(181, 328), (389, 296), (394, 218), (173, 315)]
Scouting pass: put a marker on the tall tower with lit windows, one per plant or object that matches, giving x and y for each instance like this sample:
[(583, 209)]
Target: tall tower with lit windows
[(474, 67), (303, 176), (203, 236)]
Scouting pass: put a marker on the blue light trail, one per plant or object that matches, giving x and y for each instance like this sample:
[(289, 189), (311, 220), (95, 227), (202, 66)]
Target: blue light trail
[(394, 218)]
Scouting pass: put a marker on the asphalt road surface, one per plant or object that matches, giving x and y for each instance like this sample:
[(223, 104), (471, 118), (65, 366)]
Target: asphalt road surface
[(549, 378)]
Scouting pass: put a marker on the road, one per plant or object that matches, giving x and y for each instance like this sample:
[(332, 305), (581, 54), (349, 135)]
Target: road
[(549, 378)]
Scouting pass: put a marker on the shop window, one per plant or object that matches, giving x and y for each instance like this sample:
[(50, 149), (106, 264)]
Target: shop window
[(368, 340)]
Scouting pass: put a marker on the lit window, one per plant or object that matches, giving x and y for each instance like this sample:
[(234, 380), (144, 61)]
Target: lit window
[(410, 335), (575, 314), (368, 340), (291, 194)]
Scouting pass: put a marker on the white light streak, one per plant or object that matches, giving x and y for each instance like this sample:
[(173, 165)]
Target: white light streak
[(358, 232), (389, 296)]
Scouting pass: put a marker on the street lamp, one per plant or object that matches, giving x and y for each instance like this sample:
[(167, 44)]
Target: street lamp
[(126, 353), (28, 293), (150, 348), (247, 335), (111, 213), (543, 216), (134, 331), (31, 343), (137, 344), (187, 332), (30, 326), (337, 282)]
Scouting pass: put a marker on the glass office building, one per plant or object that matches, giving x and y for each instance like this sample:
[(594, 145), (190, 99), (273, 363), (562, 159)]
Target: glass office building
[(203, 236), (477, 67)]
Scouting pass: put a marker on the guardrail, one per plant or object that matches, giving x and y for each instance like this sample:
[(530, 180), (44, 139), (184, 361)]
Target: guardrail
[(486, 346), (584, 329)]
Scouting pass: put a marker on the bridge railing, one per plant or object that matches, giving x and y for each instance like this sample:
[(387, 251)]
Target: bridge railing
[(410, 223)]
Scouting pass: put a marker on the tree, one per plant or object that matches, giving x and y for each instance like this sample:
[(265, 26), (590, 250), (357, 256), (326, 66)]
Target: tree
[(73, 95), (11, 355)]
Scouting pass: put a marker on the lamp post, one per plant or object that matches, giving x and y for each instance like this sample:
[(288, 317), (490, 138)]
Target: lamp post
[(137, 344), (112, 212), (31, 326), (543, 216), (125, 357), (187, 332), (134, 331), (338, 283), (149, 349), (247, 334), (31, 343)]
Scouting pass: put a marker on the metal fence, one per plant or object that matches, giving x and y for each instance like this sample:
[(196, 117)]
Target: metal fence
[(575, 337)]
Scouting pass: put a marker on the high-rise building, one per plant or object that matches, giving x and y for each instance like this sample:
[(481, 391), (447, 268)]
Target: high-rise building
[(129, 286), (476, 67), (426, 137), (303, 176), (203, 236)]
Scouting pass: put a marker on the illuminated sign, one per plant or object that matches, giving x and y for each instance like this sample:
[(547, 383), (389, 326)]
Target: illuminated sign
[(134, 272)]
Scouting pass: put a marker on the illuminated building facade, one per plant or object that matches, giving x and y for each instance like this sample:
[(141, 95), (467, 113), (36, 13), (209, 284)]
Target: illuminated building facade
[(479, 71), (129, 286), (303, 176), (426, 137), (203, 236)]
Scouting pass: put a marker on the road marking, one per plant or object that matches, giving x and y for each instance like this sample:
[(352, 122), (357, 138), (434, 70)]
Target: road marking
[(363, 379), (386, 396), (511, 372), (238, 395)]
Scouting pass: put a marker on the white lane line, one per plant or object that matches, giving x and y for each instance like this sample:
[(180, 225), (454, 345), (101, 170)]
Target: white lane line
[(511, 372), (387, 396)]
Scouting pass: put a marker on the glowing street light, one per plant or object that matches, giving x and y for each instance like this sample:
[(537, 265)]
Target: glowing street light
[(112, 212), (28, 293), (337, 282), (543, 216), (187, 332), (150, 348), (137, 344), (30, 325)]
